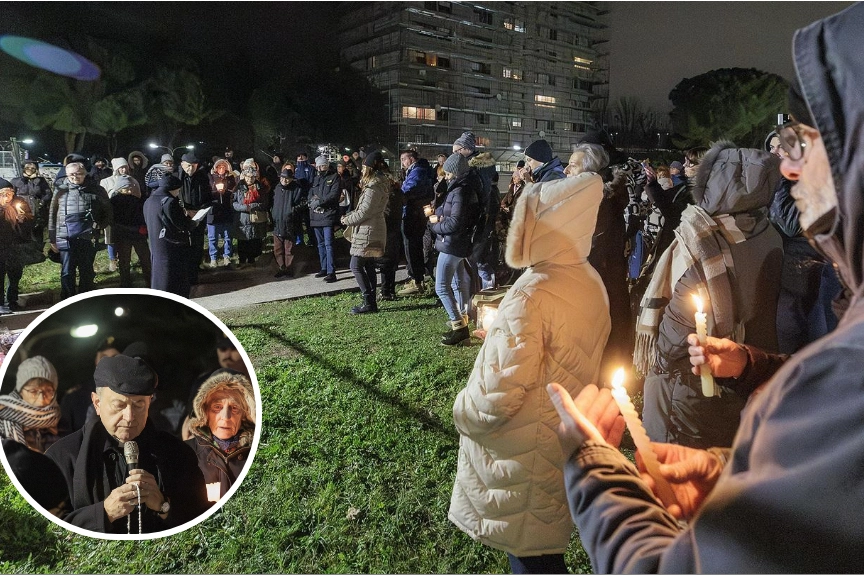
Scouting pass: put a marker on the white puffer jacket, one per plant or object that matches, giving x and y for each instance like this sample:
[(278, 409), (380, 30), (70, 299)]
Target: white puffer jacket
[(551, 326)]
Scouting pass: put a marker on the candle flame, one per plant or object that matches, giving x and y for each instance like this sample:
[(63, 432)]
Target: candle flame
[(618, 379), (698, 302)]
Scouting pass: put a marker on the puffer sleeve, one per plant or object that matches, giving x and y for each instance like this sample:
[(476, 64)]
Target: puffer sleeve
[(508, 366)]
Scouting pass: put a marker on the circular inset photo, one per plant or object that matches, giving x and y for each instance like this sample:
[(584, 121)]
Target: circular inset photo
[(128, 414)]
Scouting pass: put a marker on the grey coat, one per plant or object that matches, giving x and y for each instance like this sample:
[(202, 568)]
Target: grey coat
[(246, 230), (370, 233), (71, 199)]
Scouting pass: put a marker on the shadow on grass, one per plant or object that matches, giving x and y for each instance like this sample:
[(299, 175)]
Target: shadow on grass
[(347, 376), (27, 537)]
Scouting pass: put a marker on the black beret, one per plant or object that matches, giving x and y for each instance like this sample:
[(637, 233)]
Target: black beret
[(5, 184), (225, 343), (126, 375), (37, 473)]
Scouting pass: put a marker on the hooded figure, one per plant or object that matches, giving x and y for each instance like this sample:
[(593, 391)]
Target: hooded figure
[(726, 252), (551, 326), (790, 494), (128, 230), (138, 165)]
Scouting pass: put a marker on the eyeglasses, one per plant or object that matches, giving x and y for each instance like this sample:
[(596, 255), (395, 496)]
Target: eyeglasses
[(41, 393), (75, 174), (791, 140)]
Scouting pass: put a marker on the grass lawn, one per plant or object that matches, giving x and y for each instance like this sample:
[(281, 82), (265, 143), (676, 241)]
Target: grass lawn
[(353, 473)]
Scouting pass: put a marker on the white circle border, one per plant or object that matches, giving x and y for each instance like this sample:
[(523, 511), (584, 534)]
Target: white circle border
[(252, 377)]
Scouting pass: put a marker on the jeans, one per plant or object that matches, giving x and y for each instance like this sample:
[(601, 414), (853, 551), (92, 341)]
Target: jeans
[(453, 285), (214, 232), (324, 239), (78, 257), (112, 252), (545, 564), (364, 273)]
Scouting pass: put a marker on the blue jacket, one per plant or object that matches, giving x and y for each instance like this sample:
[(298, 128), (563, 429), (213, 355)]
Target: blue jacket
[(457, 218)]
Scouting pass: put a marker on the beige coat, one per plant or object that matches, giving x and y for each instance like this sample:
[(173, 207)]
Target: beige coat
[(551, 326), (370, 230)]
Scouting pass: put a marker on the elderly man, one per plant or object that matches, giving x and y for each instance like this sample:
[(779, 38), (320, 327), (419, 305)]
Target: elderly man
[(78, 209), (324, 215), (163, 489), (194, 196), (788, 496)]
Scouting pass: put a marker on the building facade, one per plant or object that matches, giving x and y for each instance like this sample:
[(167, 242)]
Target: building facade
[(511, 72)]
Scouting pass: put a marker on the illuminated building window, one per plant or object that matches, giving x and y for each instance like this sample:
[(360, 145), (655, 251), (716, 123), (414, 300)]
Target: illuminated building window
[(416, 113), (514, 24), (582, 63), (544, 99), (516, 122), (512, 74)]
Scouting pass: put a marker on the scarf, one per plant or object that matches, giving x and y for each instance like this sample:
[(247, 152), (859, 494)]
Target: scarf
[(16, 415), (251, 196), (227, 446), (698, 239)]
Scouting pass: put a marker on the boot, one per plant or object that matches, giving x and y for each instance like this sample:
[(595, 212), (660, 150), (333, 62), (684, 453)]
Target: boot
[(369, 305), (458, 335)]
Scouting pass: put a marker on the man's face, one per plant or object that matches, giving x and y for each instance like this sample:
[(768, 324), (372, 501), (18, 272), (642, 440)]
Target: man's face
[(355, 155), (406, 160), (107, 353), (136, 160), (100, 165), (322, 168), (224, 415), (340, 169), (230, 358), (532, 164), (814, 191), (346, 158), (574, 165), (229, 154), (169, 164), (123, 416), (76, 175), (123, 170), (30, 168), (458, 149), (301, 158), (6, 195), (189, 168)]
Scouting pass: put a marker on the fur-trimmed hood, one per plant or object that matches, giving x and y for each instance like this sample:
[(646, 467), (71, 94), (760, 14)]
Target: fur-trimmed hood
[(229, 382), (554, 221), (144, 161), (731, 180), (481, 160)]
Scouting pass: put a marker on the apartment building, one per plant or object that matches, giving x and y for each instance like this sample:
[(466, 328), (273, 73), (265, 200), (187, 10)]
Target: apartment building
[(511, 72)]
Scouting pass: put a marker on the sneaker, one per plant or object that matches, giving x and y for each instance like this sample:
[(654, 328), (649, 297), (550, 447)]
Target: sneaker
[(321, 274), (226, 261), (213, 264), (411, 287), (5, 309), (330, 278)]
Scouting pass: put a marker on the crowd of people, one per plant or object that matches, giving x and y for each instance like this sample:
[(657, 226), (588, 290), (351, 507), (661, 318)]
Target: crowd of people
[(187, 459)]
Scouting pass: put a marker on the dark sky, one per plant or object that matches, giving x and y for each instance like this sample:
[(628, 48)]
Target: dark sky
[(654, 45)]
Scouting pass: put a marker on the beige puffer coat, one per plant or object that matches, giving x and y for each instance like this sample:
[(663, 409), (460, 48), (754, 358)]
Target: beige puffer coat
[(370, 228), (551, 326)]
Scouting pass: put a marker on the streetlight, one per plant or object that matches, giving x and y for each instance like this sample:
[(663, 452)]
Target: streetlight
[(16, 152), (173, 151)]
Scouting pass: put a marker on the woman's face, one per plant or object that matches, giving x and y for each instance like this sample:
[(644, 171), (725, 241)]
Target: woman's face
[(221, 169), (38, 392), (224, 415), (249, 178)]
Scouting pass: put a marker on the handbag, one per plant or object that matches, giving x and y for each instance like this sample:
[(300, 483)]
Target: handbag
[(79, 225), (258, 217)]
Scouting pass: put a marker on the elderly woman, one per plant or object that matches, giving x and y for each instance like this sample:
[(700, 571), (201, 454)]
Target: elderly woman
[(223, 425), (251, 205), (552, 326), (30, 414)]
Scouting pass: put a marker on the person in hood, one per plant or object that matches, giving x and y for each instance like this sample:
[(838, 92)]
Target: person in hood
[(509, 490), (128, 231), (727, 253), (158, 171), (786, 497), (304, 173), (251, 203), (120, 169), (34, 189), (138, 166), (16, 222), (30, 414), (222, 427), (79, 209), (100, 169), (220, 220)]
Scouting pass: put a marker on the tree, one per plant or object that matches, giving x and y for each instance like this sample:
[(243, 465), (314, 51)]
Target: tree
[(177, 99), (734, 104)]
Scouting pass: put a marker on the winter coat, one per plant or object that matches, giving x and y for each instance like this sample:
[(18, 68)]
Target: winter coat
[(370, 228), (457, 218), (246, 230), (37, 193), (418, 190), (324, 200), (482, 164), (14, 238), (551, 326), (285, 199), (222, 201), (789, 499), (138, 173), (86, 203), (670, 204), (549, 171), (735, 185), (167, 458), (128, 210), (195, 189), (168, 228)]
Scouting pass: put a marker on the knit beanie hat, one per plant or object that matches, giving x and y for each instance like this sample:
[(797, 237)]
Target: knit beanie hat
[(676, 165), (35, 367), (321, 161), (166, 158), (5, 184), (287, 173), (467, 140), (456, 164), (540, 151), (372, 159), (118, 162), (191, 158)]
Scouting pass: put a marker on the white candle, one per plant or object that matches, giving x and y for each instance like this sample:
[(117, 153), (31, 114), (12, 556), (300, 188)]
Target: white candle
[(213, 489), (708, 389), (640, 438), (489, 315)]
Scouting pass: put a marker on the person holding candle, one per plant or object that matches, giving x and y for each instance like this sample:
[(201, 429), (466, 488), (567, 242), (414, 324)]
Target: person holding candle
[(787, 497), (552, 325), (726, 252), (16, 224)]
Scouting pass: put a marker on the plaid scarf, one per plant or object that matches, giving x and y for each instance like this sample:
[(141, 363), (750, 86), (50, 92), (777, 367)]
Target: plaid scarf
[(16, 415), (699, 239)]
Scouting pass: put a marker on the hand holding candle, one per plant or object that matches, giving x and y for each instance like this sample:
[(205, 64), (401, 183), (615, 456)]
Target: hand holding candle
[(640, 438), (702, 332)]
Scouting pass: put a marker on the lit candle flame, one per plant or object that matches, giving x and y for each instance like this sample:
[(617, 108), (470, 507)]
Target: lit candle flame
[(698, 302), (618, 379)]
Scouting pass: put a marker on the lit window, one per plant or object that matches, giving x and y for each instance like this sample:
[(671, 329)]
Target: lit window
[(516, 122), (544, 99), (416, 113), (582, 63), (514, 24), (512, 73)]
